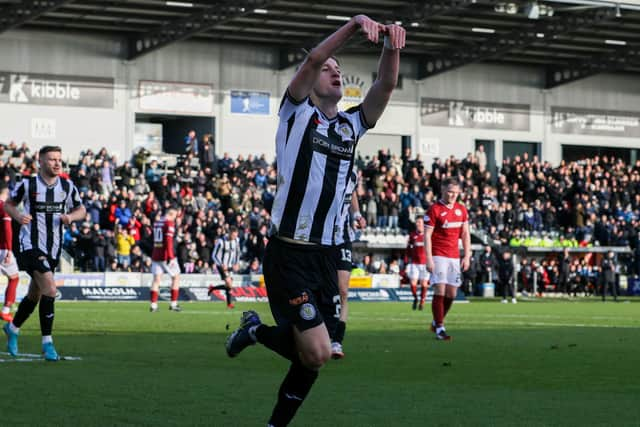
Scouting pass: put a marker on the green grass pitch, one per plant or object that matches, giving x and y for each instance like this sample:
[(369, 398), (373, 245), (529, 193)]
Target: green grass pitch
[(531, 364)]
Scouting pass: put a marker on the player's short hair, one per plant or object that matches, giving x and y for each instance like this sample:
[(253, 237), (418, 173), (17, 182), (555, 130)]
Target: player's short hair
[(3, 186), (232, 229), (451, 181), (48, 149), (308, 51)]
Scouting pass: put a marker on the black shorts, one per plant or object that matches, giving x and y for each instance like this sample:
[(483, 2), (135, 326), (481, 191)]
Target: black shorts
[(344, 254), (302, 284), (35, 260)]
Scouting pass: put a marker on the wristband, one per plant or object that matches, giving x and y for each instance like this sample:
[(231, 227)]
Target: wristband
[(357, 216), (387, 43)]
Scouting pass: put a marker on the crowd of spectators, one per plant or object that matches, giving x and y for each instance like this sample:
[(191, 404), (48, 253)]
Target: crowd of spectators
[(590, 202)]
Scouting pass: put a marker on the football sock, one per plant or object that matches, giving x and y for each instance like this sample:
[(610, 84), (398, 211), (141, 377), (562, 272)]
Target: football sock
[(47, 339), (414, 291), (437, 308), (174, 297), (227, 292), (10, 293), (338, 336), (154, 296), (447, 305), (25, 309), (423, 294), (46, 314), (293, 391), (278, 339)]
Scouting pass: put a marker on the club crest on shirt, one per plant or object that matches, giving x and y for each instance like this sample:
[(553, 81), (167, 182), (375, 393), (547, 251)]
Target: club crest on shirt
[(345, 131), (458, 212)]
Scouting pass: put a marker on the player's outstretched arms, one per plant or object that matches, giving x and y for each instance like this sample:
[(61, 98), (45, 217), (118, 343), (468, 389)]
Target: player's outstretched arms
[(307, 74), (378, 96)]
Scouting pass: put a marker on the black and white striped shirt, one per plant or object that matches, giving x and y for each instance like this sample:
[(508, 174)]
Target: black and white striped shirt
[(315, 156), (226, 252), (45, 203)]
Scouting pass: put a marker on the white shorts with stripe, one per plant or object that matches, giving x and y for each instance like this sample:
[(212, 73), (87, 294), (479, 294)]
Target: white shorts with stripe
[(171, 268), (417, 272), (446, 271), (10, 269)]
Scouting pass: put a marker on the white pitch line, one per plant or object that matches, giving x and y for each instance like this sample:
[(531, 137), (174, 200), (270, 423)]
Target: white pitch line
[(465, 323), (28, 357), (31, 355)]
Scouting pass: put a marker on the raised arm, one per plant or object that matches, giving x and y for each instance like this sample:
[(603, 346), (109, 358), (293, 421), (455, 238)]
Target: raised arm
[(307, 74), (388, 67)]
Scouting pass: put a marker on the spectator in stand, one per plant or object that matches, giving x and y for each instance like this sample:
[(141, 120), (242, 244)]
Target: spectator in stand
[(254, 267), (207, 155), (124, 243), (393, 211), (107, 175), (481, 157), (153, 174), (383, 210), (98, 248), (122, 213), (69, 238), (367, 264), (84, 247), (224, 164), (191, 143), (371, 208)]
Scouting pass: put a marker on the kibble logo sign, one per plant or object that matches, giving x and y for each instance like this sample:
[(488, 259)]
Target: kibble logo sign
[(474, 114), (352, 91), (49, 89)]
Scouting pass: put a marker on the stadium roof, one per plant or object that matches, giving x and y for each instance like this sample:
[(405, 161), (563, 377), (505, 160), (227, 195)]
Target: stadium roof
[(570, 39)]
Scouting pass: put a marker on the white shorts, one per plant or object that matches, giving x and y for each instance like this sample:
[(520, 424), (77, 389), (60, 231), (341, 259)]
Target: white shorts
[(417, 272), (10, 269), (171, 268), (446, 271)]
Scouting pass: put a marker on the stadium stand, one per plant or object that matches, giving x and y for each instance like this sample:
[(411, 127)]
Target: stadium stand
[(526, 203)]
